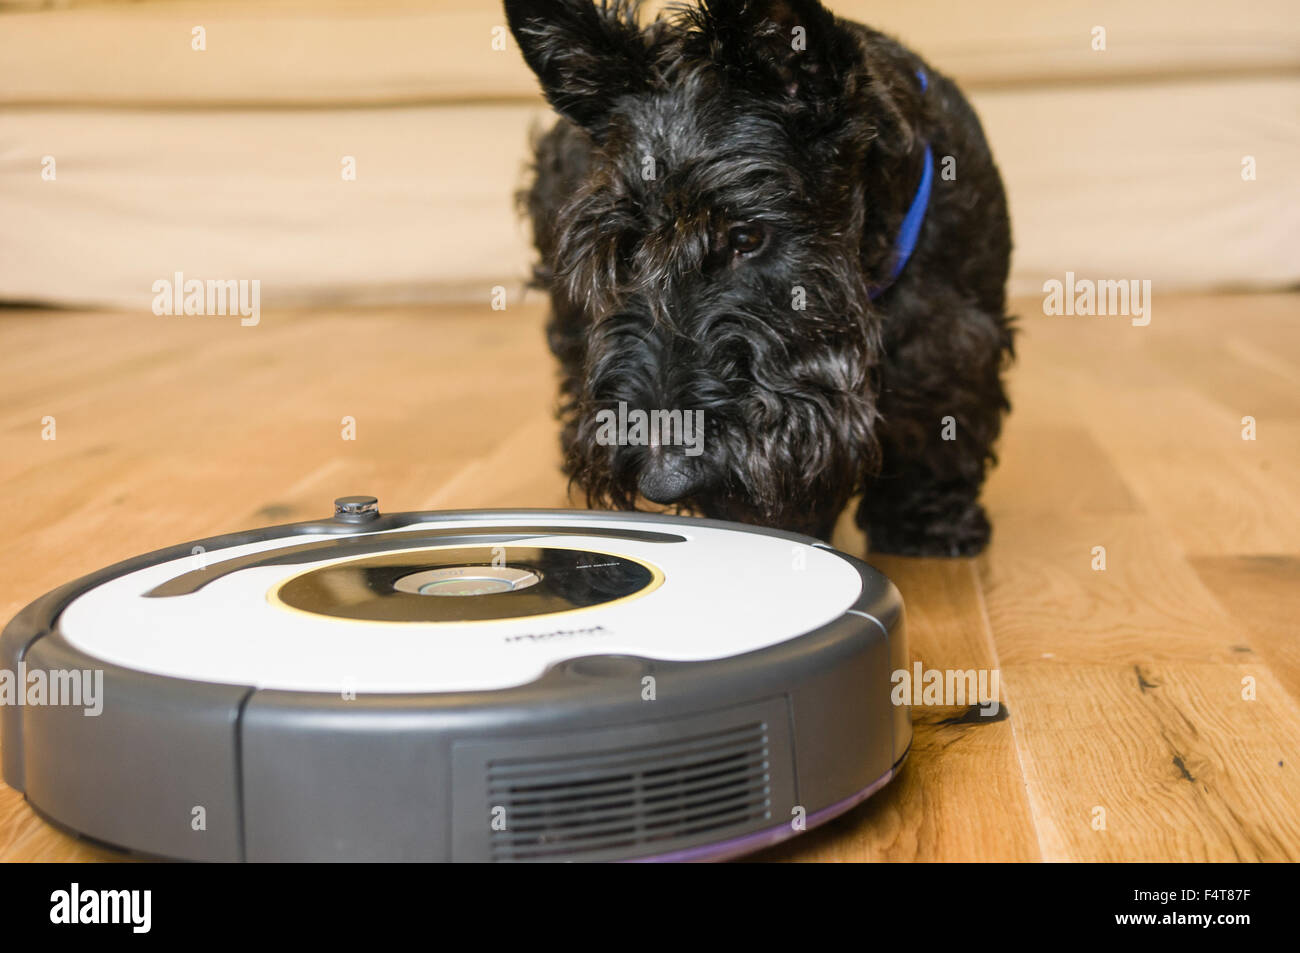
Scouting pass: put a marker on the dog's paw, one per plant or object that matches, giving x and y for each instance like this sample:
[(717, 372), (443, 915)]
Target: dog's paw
[(963, 535)]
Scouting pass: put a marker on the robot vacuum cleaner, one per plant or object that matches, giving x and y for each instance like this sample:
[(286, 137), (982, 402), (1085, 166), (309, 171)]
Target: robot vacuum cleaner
[(522, 685)]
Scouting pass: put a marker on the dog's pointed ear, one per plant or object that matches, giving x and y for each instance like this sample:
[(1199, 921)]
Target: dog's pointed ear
[(585, 55), (790, 48)]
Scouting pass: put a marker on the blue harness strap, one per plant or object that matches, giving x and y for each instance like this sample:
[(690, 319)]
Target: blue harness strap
[(905, 244)]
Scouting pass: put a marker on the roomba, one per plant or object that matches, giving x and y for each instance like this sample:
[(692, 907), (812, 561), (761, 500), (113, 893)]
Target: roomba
[(519, 685)]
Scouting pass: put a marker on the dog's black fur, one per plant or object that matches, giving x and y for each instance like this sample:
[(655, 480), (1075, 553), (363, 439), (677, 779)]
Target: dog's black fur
[(660, 299)]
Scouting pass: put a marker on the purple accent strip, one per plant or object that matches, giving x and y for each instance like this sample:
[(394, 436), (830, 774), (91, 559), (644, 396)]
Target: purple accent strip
[(739, 846)]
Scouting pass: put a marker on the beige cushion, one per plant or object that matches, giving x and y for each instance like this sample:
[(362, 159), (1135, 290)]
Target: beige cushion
[(1126, 176)]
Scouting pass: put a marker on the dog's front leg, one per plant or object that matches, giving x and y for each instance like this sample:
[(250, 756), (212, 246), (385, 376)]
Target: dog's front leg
[(941, 401)]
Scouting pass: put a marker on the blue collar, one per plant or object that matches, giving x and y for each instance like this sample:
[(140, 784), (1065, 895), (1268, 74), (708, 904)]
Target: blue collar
[(905, 244)]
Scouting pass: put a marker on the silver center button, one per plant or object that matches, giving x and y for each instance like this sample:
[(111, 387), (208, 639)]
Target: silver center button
[(467, 581)]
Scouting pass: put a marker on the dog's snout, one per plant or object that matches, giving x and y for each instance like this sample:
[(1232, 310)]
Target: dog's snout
[(667, 478)]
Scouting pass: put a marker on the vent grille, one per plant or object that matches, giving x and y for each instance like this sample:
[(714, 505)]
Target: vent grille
[(658, 796)]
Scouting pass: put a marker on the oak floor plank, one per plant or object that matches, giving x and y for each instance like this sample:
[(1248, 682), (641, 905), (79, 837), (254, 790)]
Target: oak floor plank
[(1045, 599), (1128, 679), (1122, 688), (1260, 595), (1175, 438), (1182, 766)]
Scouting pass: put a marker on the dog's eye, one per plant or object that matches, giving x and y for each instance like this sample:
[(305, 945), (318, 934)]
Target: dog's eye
[(746, 239)]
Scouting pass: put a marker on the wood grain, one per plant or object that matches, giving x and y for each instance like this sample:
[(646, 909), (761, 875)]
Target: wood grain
[(1182, 766), (1260, 594), (1123, 688)]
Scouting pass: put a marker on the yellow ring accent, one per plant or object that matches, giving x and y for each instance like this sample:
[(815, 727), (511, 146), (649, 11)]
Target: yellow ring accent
[(273, 594)]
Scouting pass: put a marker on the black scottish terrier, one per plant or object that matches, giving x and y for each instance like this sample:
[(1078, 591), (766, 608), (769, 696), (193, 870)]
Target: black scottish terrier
[(788, 221)]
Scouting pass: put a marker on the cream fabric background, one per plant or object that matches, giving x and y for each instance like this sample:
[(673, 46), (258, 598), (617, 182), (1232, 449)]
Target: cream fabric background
[(226, 163)]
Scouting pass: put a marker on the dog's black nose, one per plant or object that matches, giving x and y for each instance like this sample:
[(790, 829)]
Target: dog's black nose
[(667, 478)]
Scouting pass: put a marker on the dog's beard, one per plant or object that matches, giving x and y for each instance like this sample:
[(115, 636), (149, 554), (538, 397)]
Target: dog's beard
[(784, 434)]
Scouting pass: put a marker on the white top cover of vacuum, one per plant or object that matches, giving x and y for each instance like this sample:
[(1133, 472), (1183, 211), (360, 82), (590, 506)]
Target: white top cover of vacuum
[(719, 594)]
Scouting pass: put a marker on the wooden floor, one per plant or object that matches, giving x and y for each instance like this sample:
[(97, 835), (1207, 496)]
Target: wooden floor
[(1124, 687)]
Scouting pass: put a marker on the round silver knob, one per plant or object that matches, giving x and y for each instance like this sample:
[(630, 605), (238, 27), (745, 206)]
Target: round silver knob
[(356, 509)]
